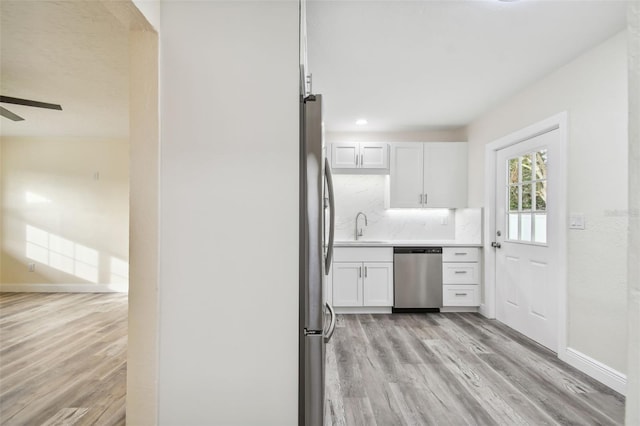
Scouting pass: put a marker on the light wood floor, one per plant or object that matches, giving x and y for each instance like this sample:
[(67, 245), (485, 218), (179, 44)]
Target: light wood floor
[(63, 362), (454, 369), (62, 358)]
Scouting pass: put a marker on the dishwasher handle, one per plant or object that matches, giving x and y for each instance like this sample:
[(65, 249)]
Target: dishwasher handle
[(418, 250)]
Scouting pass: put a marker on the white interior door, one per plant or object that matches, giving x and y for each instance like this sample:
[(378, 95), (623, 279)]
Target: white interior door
[(527, 226)]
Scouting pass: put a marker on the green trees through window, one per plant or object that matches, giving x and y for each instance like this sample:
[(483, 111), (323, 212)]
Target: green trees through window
[(527, 197)]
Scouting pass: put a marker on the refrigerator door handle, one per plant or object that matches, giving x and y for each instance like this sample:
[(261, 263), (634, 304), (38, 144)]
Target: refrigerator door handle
[(332, 325), (332, 215)]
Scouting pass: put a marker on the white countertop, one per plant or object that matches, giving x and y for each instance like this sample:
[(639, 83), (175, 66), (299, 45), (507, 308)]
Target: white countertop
[(405, 243)]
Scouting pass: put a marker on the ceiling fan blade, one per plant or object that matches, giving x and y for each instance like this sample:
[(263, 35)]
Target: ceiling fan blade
[(27, 102), (8, 114)]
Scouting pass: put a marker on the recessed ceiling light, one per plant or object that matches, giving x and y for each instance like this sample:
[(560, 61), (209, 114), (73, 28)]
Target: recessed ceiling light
[(361, 122)]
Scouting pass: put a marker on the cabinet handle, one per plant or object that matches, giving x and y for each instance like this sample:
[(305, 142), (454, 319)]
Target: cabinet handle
[(357, 158), (420, 198), (365, 272), (361, 160), (461, 294), (360, 272), (426, 197), (461, 254), (461, 272)]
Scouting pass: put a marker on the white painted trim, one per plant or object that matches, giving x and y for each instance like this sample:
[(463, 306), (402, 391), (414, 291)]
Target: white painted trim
[(599, 371), (363, 310), (560, 122), (449, 309), (64, 288)]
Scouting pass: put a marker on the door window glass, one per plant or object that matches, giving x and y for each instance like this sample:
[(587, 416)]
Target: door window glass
[(526, 192)]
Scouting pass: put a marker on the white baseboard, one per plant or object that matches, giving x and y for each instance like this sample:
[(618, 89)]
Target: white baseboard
[(64, 288), (597, 370), (445, 309), (484, 311)]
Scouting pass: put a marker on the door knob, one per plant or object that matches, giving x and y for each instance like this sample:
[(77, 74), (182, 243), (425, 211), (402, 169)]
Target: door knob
[(496, 244)]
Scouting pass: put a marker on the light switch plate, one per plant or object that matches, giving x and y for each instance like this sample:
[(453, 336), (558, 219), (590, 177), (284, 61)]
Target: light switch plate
[(576, 221)]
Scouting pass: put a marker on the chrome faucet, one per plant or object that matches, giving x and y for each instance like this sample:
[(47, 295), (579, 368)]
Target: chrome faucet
[(359, 233)]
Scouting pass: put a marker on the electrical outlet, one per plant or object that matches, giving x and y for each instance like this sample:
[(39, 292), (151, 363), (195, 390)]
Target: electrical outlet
[(32, 267), (444, 220)]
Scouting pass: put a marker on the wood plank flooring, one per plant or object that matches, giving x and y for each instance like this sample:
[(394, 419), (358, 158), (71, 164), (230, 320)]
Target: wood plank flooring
[(454, 369), (63, 362), (63, 358)]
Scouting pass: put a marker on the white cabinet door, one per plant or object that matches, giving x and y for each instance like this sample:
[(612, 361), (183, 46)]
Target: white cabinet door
[(378, 284), (347, 284), (345, 155), (406, 175), (374, 155), (445, 174)]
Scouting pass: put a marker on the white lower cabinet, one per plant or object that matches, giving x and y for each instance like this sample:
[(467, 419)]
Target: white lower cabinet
[(460, 276), (460, 273), (460, 295), (377, 286), (347, 284), (362, 277)]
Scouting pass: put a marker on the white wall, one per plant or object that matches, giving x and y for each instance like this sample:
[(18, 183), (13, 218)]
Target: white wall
[(58, 214), (442, 135), (142, 346), (633, 353), (229, 213), (593, 90)]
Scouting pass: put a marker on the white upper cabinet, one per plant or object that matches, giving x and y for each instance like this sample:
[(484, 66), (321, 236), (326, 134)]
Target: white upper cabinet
[(374, 155), (359, 155), (430, 174), (406, 175), (445, 174)]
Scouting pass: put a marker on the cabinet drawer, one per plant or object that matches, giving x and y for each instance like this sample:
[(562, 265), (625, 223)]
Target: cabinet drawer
[(460, 273), (461, 295), (460, 254), (362, 254)]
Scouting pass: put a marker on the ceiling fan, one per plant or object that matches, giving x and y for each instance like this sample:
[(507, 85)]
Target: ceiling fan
[(17, 101)]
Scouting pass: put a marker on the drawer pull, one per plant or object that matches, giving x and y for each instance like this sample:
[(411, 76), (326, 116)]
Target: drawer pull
[(461, 272), (461, 294), (461, 254)]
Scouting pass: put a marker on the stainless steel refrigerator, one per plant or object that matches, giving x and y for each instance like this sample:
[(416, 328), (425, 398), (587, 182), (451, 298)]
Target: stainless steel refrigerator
[(317, 319)]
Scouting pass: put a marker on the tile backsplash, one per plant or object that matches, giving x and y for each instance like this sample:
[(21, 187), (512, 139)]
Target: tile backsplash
[(366, 193)]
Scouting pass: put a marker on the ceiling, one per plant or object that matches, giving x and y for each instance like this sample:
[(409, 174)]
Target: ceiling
[(426, 65), (402, 65), (73, 53)]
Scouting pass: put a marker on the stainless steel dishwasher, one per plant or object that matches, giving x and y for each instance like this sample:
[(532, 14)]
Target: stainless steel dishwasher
[(417, 279)]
